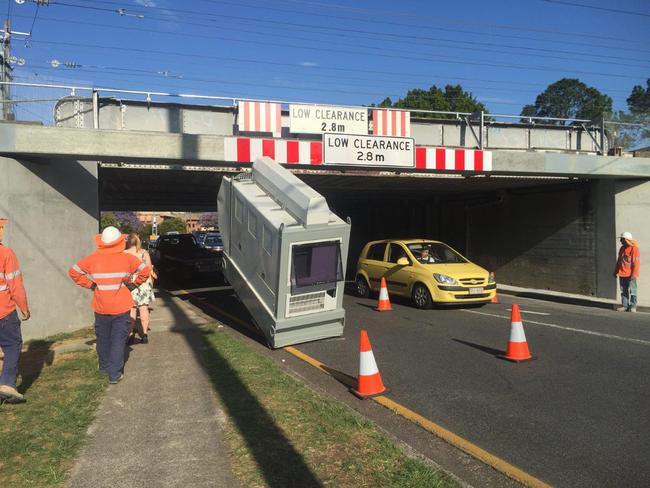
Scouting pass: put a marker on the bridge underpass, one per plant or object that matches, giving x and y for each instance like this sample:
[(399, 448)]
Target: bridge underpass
[(539, 219), (508, 224)]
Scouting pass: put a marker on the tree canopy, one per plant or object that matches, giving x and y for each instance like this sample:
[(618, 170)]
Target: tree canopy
[(172, 224), (639, 99), (452, 99), (569, 98)]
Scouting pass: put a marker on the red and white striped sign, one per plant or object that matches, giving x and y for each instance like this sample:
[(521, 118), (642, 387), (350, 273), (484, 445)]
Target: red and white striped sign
[(396, 123), (441, 158), (247, 150), (260, 117)]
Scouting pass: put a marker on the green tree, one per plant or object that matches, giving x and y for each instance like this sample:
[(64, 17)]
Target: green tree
[(107, 219), (452, 99), (172, 224), (639, 100), (569, 98), (144, 232)]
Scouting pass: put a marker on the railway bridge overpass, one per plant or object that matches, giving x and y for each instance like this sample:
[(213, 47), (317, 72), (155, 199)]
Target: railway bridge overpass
[(538, 204)]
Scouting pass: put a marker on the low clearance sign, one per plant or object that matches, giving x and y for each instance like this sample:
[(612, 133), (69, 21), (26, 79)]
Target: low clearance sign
[(350, 150), (319, 119)]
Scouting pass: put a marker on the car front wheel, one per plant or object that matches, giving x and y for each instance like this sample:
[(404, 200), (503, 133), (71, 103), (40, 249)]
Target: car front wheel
[(363, 290), (422, 297)]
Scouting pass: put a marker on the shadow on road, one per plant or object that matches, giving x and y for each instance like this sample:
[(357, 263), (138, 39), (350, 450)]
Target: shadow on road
[(279, 462), (486, 349)]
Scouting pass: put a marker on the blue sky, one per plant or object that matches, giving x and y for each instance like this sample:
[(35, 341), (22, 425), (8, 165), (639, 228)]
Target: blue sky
[(505, 52)]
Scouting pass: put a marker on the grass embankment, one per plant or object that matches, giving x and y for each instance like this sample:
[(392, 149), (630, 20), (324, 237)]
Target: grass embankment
[(40, 439), (282, 433)]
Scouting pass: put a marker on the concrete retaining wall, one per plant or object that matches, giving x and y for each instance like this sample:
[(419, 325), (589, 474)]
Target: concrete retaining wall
[(632, 210), (53, 212)]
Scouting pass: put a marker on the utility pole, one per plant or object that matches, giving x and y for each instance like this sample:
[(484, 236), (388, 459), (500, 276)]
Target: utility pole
[(6, 72)]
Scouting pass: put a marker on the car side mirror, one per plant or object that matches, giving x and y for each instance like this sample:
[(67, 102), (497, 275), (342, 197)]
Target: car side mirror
[(403, 262)]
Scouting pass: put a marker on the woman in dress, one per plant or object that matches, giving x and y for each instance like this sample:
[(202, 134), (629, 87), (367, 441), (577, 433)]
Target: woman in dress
[(143, 296)]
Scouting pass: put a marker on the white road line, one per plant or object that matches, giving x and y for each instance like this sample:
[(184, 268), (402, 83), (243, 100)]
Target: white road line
[(528, 311), (571, 329)]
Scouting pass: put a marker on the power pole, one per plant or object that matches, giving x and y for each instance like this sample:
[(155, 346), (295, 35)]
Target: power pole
[(6, 72)]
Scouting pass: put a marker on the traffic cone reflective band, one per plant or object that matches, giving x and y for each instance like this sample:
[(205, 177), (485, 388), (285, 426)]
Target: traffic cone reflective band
[(517, 349), (369, 381), (495, 298), (383, 305)]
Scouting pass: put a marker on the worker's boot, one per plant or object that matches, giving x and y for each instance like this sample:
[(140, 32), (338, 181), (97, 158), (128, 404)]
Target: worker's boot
[(10, 395)]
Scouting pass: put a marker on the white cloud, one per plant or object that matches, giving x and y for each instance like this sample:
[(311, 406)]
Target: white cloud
[(146, 3), (308, 64)]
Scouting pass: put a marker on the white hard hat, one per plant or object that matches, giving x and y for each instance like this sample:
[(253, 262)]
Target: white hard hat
[(110, 234), (626, 235)]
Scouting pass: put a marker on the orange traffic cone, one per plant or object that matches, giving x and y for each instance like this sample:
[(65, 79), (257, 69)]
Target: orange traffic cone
[(383, 305), (517, 350), (369, 381), (495, 298)]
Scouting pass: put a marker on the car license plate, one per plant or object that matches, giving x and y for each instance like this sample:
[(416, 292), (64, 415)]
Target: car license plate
[(476, 291)]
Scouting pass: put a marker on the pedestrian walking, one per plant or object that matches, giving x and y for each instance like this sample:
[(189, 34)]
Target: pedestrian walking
[(12, 295), (111, 274), (627, 270), (143, 296)]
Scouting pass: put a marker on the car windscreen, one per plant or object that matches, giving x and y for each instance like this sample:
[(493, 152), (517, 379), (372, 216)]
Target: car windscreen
[(437, 253), (316, 266), (213, 241)]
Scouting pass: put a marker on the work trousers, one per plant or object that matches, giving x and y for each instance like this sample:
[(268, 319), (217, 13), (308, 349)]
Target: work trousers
[(628, 292), (112, 332), (11, 341)]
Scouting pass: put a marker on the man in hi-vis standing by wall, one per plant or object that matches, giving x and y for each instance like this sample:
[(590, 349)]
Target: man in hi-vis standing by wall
[(111, 274), (627, 270), (12, 295)]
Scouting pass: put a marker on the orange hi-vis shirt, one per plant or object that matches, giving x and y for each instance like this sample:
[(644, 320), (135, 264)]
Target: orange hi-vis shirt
[(12, 291), (629, 262), (110, 269)]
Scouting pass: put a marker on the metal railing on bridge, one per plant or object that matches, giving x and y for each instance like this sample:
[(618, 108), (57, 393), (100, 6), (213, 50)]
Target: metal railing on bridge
[(80, 106)]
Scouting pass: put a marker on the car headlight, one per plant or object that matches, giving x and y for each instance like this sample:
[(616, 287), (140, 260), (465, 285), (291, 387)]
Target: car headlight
[(491, 278), (444, 279)]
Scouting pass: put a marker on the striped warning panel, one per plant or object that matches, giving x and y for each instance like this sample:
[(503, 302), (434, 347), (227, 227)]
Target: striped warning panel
[(395, 123), (444, 159), (246, 150), (260, 117)]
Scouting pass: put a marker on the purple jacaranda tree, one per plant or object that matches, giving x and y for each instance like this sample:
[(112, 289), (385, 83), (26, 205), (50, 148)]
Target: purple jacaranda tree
[(128, 221), (208, 220)]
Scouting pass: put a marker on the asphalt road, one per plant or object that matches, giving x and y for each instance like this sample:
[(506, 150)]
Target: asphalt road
[(578, 416)]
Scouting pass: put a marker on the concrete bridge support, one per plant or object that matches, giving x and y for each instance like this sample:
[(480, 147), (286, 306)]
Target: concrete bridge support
[(52, 206)]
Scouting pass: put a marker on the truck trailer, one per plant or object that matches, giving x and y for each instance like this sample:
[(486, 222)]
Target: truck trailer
[(284, 254)]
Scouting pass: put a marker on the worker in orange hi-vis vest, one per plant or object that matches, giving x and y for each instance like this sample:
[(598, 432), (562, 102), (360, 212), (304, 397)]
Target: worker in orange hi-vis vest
[(627, 270), (111, 274), (12, 295)]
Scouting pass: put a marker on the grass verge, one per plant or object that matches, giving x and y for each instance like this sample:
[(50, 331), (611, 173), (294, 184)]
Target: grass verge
[(40, 439), (282, 433)]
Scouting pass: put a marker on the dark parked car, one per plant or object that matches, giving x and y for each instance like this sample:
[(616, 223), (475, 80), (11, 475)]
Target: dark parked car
[(181, 253), (213, 242)]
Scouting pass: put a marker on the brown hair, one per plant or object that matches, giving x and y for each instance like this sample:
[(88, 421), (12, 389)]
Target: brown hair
[(133, 240)]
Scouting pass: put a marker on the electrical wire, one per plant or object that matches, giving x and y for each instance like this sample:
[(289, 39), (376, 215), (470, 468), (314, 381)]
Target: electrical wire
[(392, 36), (594, 7), (415, 76), (438, 59), (31, 29)]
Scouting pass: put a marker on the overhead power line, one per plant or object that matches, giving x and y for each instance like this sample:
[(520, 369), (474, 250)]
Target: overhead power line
[(427, 18), (310, 27), (438, 59), (594, 7), (337, 69)]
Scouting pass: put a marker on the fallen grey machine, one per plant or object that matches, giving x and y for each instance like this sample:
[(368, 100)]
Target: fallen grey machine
[(284, 254)]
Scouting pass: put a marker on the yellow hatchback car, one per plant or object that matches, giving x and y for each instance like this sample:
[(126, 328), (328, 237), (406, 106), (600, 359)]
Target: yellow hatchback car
[(427, 271)]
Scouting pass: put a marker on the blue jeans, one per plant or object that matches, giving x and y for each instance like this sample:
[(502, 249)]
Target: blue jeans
[(628, 292), (11, 341), (112, 332)]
